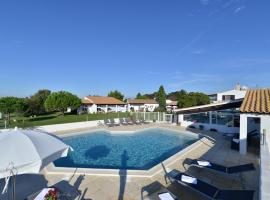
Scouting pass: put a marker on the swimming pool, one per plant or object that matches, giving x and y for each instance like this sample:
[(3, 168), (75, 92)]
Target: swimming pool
[(138, 150)]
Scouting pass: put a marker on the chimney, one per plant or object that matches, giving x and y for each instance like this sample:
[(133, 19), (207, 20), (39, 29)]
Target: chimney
[(238, 86)]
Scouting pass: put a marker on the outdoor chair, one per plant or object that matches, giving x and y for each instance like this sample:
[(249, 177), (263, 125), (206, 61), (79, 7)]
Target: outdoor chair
[(206, 189), (143, 121), (108, 123), (250, 133), (114, 122), (129, 121), (136, 121), (123, 122), (221, 168)]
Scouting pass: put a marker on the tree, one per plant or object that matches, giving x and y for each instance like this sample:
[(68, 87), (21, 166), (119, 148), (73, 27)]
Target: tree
[(116, 94), (10, 105), (161, 99), (36, 102), (139, 96), (185, 100), (191, 99), (61, 101), (200, 98), (175, 95)]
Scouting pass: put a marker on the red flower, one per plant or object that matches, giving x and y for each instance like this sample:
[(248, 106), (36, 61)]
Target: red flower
[(51, 195)]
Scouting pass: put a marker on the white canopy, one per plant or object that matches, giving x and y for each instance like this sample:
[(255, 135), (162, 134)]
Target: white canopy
[(28, 151)]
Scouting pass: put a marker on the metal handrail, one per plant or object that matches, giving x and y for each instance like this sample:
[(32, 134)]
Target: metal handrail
[(263, 137)]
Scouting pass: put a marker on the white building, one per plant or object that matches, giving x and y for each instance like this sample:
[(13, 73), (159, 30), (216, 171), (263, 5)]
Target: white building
[(95, 104), (237, 93), (141, 105), (256, 107), (171, 105)]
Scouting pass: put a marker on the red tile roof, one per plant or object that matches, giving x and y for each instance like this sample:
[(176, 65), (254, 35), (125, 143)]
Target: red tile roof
[(102, 100), (142, 101), (256, 101)]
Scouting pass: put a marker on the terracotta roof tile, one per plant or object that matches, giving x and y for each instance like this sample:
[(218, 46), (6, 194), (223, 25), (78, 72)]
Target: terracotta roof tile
[(256, 101), (142, 101), (102, 100)]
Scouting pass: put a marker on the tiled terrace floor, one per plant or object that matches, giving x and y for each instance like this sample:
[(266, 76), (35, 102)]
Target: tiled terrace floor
[(215, 149)]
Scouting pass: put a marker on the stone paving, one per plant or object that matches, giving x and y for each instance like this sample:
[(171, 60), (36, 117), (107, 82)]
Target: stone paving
[(215, 149)]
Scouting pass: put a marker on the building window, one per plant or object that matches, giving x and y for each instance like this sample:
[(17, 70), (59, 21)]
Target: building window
[(228, 97)]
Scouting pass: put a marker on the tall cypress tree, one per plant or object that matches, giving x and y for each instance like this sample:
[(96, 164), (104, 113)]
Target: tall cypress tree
[(161, 99)]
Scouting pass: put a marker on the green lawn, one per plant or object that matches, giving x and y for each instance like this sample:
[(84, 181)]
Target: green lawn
[(57, 118)]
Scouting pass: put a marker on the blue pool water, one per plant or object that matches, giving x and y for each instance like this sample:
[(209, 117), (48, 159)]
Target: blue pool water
[(139, 150)]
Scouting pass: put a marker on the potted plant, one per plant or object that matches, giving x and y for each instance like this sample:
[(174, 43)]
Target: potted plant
[(51, 195)]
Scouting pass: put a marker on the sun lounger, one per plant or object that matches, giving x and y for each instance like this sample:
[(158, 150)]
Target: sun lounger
[(136, 121), (143, 121), (166, 196), (108, 123), (129, 121), (114, 122), (253, 132), (221, 168), (208, 190), (123, 122)]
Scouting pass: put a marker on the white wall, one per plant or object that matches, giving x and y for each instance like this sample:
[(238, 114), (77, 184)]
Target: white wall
[(150, 107), (69, 126), (264, 159), (136, 107), (265, 124), (237, 93), (145, 107), (117, 108), (114, 108), (72, 126), (92, 108)]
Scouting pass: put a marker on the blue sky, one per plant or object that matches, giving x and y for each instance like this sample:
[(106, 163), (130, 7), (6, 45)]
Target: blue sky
[(92, 47)]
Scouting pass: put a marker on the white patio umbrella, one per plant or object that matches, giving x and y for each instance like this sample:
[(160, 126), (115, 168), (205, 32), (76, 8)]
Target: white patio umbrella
[(28, 151)]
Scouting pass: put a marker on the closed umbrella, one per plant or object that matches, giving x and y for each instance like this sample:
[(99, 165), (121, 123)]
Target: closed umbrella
[(28, 151)]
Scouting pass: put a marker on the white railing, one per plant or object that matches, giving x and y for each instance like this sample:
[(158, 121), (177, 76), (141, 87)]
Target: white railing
[(150, 116)]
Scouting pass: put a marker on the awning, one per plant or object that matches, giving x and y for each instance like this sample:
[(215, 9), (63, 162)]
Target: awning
[(211, 107)]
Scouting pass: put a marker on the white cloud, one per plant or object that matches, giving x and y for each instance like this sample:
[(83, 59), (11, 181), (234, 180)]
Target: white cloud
[(205, 2), (239, 9), (191, 42)]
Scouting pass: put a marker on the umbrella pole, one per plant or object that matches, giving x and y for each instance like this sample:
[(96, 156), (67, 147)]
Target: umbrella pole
[(13, 186)]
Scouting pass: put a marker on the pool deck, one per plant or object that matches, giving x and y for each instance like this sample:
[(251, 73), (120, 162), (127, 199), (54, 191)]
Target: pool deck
[(214, 148)]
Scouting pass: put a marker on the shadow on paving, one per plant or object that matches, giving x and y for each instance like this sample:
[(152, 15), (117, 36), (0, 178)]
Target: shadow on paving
[(123, 175), (28, 184), (221, 153)]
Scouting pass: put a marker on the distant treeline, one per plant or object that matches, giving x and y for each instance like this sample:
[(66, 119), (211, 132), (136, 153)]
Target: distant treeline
[(184, 98), (44, 101)]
